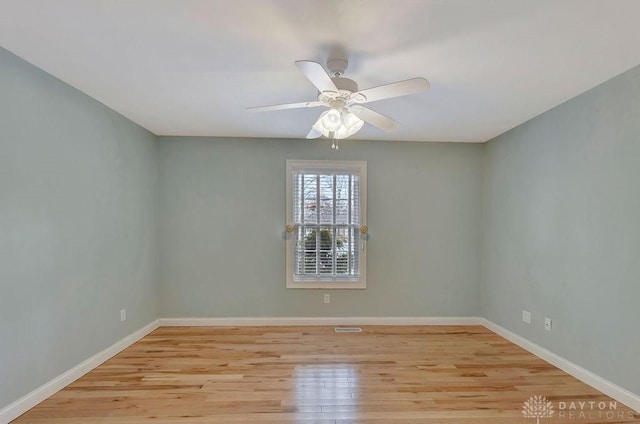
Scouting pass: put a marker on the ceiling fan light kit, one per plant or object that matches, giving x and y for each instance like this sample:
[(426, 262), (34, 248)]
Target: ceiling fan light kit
[(338, 124), (346, 115)]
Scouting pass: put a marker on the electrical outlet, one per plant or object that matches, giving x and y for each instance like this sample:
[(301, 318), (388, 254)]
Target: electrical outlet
[(547, 324), (526, 317), (327, 298), (123, 315)]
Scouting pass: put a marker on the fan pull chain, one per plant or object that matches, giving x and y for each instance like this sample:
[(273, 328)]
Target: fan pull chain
[(334, 142)]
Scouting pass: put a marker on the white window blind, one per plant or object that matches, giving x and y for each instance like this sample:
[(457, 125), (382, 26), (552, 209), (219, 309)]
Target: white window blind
[(325, 208)]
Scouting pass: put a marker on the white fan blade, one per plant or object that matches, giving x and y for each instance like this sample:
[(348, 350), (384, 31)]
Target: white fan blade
[(396, 89), (283, 106), (317, 75), (374, 118), (313, 134)]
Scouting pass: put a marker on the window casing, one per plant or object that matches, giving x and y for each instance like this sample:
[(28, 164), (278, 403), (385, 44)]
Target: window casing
[(326, 208)]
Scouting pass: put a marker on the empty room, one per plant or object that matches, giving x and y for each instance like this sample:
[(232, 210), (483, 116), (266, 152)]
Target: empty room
[(319, 212)]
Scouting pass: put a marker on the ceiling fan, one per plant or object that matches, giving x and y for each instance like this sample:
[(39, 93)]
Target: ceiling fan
[(346, 114)]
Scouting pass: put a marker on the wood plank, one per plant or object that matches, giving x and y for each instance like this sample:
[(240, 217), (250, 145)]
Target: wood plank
[(312, 375)]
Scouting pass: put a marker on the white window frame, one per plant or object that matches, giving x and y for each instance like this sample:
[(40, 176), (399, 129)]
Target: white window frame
[(361, 168)]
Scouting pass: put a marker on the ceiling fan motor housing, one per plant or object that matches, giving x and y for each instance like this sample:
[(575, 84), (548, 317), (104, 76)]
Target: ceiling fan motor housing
[(343, 97), (337, 66)]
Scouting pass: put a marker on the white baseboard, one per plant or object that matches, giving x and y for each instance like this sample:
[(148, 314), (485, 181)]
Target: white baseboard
[(28, 401), (293, 321), (605, 386)]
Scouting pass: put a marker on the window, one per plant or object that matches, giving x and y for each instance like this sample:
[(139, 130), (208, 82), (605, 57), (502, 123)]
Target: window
[(326, 208)]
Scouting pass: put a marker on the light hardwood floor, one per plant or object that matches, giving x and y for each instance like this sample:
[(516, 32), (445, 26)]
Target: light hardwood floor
[(268, 375)]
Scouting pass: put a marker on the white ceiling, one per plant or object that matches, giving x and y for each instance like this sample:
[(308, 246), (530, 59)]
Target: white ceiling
[(191, 67)]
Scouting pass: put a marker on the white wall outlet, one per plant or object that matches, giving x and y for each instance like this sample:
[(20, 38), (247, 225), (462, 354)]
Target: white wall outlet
[(547, 324), (526, 317), (123, 315), (327, 298)]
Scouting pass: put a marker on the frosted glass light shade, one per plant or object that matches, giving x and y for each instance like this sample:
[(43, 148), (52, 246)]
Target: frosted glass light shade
[(346, 124), (331, 120)]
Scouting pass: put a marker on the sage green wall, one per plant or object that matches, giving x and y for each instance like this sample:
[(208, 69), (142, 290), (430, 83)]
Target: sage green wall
[(562, 233), (223, 213), (77, 224)]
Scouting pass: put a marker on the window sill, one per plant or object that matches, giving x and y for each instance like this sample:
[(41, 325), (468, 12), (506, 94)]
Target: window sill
[(326, 285)]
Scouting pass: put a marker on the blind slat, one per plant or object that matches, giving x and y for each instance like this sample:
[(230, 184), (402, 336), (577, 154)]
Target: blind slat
[(326, 219)]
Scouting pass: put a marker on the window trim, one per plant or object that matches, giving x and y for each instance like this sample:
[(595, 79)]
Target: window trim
[(361, 167)]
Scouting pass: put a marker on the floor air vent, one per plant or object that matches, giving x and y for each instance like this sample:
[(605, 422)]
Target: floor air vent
[(348, 329)]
